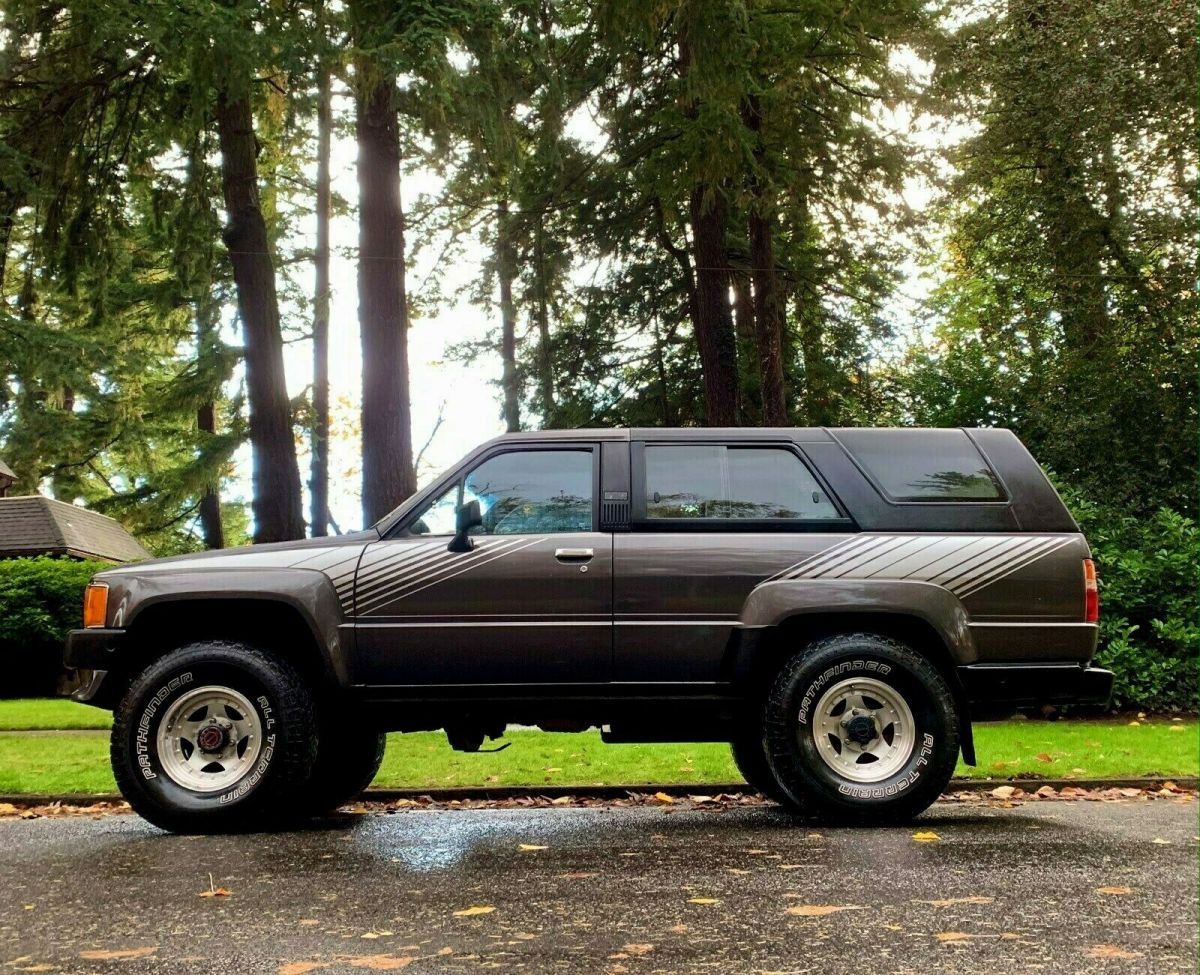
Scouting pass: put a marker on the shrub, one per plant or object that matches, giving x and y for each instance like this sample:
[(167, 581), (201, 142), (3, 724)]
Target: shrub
[(40, 599), (1149, 569)]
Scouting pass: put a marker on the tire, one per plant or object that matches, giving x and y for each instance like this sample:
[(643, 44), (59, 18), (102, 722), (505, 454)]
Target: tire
[(750, 757), (348, 758), (181, 768), (887, 706)]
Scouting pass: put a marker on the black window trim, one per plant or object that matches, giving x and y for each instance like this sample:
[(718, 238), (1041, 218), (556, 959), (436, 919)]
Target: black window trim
[(401, 528), (1004, 501), (639, 521)]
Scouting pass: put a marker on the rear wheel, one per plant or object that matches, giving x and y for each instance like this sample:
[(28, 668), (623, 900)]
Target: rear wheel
[(348, 758), (214, 737), (750, 757), (861, 728)]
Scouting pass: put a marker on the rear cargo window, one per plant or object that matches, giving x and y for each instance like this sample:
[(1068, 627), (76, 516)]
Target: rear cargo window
[(923, 465), (714, 481)]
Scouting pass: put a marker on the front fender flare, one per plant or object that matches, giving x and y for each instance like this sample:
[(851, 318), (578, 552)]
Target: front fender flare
[(306, 591)]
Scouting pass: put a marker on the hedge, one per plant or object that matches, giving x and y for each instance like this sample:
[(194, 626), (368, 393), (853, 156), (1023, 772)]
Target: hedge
[(1149, 571), (40, 599)]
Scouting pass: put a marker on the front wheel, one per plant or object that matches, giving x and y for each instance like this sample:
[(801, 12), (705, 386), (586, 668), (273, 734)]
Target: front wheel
[(348, 758), (861, 728), (214, 737)]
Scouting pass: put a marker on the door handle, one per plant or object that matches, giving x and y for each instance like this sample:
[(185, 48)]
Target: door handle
[(574, 554)]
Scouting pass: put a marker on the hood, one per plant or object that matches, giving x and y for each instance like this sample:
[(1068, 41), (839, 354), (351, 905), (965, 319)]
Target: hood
[(271, 555)]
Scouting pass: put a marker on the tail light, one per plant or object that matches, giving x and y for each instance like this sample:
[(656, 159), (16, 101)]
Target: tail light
[(95, 604), (1091, 594)]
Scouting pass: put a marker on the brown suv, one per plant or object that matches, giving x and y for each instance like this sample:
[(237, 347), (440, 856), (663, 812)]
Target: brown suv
[(837, 604)]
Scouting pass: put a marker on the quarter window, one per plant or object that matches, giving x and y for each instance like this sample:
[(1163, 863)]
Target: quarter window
[(712, 481), (923, 465)]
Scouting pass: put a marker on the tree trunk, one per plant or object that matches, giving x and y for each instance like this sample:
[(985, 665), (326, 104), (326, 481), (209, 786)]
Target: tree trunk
[(211, 527), (769, 313), (319, 478), (545, 353), (506, 271), (387, 468), (747, 343), (713, 322), (818, 400), (277, 504)]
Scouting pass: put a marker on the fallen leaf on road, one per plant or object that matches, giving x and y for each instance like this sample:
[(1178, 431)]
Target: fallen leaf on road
[(381, 963), (928, 836), (577, 875), (561, 801), (820, 910), (663, 797), (473, 911), (1114, 890), (1159, 841), (301, 967), (116, 954), (951, 937), (309, 922), (1004, 792), (678, 929), (1046, 792), (529, 847), (1111, 951), (737, 872), (639, 949), (216, 892), (704, 900), (951, 901)]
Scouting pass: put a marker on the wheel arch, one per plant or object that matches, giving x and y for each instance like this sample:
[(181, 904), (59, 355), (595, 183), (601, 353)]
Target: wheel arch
[(300, 628), (785, 617)]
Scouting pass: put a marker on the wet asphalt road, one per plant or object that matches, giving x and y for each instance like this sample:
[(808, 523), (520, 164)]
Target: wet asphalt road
[(615, 890)]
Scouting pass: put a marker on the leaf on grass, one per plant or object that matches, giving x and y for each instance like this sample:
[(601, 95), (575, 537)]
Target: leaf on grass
[(116, 954), (952, 937), (1111, 951), (529, 847), (474, 911), (952, 901), (1114, 890), (927, 836), (1177, 727), (704, 900), (820, 910), (1043, 757)]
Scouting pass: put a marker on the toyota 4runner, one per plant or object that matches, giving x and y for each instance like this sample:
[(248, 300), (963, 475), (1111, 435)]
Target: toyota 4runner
[(839, 605)]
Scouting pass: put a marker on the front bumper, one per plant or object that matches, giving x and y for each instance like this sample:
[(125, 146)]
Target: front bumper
[(1035, 685), (92, 649)]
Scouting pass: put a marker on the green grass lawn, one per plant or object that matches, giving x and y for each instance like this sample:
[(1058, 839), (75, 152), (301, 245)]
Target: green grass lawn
[(50, 713), (1013, 749)]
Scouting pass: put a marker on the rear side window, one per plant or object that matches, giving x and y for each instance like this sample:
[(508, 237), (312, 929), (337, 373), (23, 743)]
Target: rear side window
[(923, 465), (712, 481)]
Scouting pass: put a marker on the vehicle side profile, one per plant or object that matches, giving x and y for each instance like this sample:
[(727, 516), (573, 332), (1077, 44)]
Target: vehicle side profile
[(838, 604)]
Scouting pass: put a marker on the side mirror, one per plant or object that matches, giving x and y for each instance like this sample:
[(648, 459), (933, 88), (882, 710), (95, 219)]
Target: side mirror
[(467, 518)]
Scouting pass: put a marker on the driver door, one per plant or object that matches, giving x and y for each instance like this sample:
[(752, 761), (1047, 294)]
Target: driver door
[(531, 603)]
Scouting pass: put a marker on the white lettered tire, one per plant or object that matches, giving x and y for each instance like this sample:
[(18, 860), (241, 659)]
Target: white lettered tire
[(861, 728), (214, 737)]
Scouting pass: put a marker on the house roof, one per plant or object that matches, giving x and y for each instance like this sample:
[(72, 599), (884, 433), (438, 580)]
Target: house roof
[(35, 525), (6, 471)]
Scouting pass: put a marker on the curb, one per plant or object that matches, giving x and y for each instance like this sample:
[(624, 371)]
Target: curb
[(624, 791)]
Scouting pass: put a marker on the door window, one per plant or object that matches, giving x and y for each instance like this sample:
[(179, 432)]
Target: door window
[(712, 481), (522, 492)]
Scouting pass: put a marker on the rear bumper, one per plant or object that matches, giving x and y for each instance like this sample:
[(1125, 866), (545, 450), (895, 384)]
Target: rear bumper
[(91, 649), (1034, 685)]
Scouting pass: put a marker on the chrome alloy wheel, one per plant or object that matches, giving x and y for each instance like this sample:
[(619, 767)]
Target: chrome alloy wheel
[(209, 739), (863, 729)]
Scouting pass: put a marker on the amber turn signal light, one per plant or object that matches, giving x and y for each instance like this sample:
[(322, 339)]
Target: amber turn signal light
[(1091, 593), (95, 604)]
